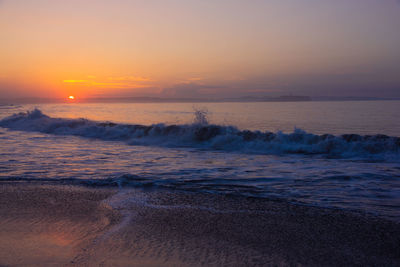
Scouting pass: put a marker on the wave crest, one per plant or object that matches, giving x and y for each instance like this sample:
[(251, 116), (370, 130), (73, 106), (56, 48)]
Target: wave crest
[(200, 134)]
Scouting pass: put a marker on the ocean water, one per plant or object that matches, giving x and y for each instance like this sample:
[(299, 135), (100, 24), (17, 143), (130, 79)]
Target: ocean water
[(331, 154)]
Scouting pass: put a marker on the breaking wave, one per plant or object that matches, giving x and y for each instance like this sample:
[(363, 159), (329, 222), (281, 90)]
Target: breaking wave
[(202, 135)]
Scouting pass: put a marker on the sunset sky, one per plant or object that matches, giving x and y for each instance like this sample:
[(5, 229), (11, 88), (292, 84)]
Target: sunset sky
[(192, 48)]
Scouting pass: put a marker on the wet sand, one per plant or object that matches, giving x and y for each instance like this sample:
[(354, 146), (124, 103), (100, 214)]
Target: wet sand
[(53, 225)]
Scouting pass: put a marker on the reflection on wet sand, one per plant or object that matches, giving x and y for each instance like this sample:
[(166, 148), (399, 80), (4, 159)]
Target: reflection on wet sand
[(77, 226), (42, 226)]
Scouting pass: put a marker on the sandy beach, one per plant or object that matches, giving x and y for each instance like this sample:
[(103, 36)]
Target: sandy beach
[(199, 133), (53, 225)]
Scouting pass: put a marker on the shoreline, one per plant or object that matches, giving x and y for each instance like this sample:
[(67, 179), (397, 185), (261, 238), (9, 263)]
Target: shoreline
[(69, 225)]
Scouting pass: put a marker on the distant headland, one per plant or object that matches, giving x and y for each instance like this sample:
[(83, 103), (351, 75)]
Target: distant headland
[(283, 98)]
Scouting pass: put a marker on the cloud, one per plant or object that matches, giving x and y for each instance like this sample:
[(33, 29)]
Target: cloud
[(190, 90), (130, 78), (120, 82), (118, 85), (196, 79), (75, 81)]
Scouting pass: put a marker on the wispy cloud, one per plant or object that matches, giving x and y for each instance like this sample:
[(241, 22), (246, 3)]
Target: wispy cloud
[(120, 82), (75, 81), (130, 78), (196, 79), (119, 85), (190, 80), (190, 90)]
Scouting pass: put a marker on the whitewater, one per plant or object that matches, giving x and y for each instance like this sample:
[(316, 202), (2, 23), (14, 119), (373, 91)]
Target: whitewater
[(357, 170), (200, 134)]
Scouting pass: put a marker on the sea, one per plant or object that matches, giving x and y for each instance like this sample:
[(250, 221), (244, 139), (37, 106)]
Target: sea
[(338, 155)]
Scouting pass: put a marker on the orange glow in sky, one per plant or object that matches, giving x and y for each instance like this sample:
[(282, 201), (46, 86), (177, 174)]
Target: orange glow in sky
[(168, 49), (71, 97)]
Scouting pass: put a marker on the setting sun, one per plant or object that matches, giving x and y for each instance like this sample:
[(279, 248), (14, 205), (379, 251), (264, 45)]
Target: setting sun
[(280, 115)]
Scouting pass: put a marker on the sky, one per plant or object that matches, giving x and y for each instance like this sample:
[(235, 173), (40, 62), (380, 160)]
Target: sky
[(191, 48)]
